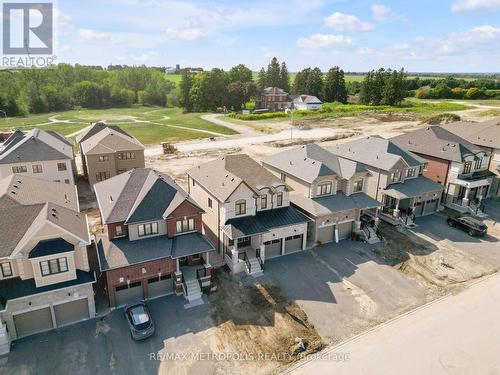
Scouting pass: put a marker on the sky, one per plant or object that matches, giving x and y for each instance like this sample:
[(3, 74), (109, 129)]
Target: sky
[(358, 35)]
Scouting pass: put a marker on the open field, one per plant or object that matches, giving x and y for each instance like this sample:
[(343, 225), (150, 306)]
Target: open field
[(151, 125)]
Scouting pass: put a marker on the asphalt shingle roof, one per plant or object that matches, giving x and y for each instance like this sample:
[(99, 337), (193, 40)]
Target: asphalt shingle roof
[(110, 140), (189, 244), (51, 247), (413, 187), (96, 128), (485, 133)]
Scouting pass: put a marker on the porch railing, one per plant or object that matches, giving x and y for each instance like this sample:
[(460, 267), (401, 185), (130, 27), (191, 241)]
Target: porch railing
[(476, 207), (407, 218), (366, 231), (387, 210), (243, 256), (184, 285), (257, 255)]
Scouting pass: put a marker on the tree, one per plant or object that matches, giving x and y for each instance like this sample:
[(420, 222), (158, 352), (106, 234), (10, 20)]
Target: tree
[(334, 87), (209, 90), (314, 84), (300, 81), (273, 74), (441, 91), (185, 87), (284, 77), (261, 80), (240, 73)]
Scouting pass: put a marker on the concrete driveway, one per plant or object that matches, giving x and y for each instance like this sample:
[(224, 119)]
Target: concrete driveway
[(343, 288), (485, 249), (105, 347)]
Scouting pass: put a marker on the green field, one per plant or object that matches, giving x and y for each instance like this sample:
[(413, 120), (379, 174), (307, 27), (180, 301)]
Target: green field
[(151, 125)]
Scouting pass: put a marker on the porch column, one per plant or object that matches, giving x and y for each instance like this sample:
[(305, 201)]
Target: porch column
[(304, 240), (480, 196), (207, 260), (465, 199), (177, 265), (283, 246), (4, 338), (263, 252), (336, 233), (395, 213), (178, 279)]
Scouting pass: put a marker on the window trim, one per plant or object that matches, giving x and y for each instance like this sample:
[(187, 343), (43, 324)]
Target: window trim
[(209, 202), (19, 169), (185, 225), (357, 182), (3, 271), (325, 188), (467, 167), (151, 225), (59, 261), (122, 233), (37, 168), (410, 173), (103, 158), (279, 199), (238, 210), (60, 167), (263, 202)]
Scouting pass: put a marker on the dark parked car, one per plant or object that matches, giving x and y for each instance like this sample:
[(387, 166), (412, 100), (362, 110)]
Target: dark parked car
[(139, 321), (472, 226)]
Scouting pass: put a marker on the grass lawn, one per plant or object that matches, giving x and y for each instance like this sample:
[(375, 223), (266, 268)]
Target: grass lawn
[(151, 125)]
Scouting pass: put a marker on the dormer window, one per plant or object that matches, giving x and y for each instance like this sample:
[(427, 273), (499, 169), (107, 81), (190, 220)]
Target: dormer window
[(478, 163), (325, 188), (357, 186), (53, 266), (396, 176), (240, 207), (263, 202), (6, 269), (279, 199), (467, 167), (410, 172)]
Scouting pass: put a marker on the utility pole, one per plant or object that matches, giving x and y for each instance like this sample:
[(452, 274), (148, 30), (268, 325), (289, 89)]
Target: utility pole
[(288, 110)]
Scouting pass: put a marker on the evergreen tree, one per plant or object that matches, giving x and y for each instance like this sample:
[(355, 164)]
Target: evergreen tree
[(314, 84), (273, 74), (284, 77), (185, 88), (334, 87), (261, 80), (300, 81)]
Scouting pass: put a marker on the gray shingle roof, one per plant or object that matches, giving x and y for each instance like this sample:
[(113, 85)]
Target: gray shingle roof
[(96, 128), (223, 175), (311, 161), (189, 244), (437, 142), (138, 195), (307, 99), (50, 247), (35, 145), (109, 140), (377, 152), (485, 133), (413, 187), (263, 222)]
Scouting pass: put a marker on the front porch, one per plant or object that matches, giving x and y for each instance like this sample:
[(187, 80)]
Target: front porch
[(466, 196), (191, 278)]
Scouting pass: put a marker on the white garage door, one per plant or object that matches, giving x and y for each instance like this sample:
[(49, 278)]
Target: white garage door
[(431, 206), (160, 286), (293, 243), (32, 322), (129, 294), (345, 230), (71, 312), (273, 248), (325, 234)]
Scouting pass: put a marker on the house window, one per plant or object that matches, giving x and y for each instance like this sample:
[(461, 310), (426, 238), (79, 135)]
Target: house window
[(478, 163), (61, 167), (263, 202), (325, 189), (244, 241), (410, 172), (467, 167), (118, 231), (104, 158), (396, 176), (357, 185), (241, 207), (185, 225), (147, 229), (53, 266), (37, 168), (279, 199), (66, 181), (19, 169), (283, 177), (101, 176), (126, 155), (209, 203), (6, 269)]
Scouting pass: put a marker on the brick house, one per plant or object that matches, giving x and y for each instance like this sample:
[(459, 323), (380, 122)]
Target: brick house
[(460, 166), (45, 278), (274, 99), (152, 242)]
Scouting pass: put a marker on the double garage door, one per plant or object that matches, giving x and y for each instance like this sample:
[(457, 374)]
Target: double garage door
[(327, 234), (157, 287), (40, 320), (292, 244)]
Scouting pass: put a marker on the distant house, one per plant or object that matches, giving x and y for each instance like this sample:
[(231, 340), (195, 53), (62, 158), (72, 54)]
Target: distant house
[(274, 99), (107, 151), (307, 102), (42, 154)]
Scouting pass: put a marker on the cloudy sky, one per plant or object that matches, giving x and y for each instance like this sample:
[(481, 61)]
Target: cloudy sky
[(358, 35)]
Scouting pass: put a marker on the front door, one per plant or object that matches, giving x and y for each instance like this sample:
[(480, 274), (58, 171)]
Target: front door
[(183, 261)]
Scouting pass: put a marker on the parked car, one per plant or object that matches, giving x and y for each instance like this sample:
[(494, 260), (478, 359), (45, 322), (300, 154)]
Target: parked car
[(472, 226), (139, 321)]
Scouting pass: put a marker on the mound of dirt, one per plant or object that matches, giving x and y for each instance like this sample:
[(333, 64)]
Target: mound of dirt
[(443, 118)]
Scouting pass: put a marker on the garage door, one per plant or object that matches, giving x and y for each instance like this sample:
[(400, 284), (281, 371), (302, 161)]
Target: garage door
[(431, 206), (345, 230), (325, 234), (129, 294), (32, 322), (71, 312), (418, 209), (273, 248), (293, 243), (160, 286)]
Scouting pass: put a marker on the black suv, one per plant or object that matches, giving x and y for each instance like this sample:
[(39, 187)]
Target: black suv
[(472, 226)]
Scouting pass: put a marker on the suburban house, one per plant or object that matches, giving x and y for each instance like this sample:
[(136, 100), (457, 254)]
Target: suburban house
[(396, 178), (460, 166), (307, 102), (108, 151), (247, 212), (273, 99), (42, 154), (45, 279), (330, 190), (486, 135), (152, 243)]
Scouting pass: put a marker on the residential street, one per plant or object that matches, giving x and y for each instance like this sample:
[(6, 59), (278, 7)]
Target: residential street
[(455, 335)]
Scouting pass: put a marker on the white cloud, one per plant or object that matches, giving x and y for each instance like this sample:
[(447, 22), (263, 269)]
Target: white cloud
[(400, 47), (316, 41), (365, 51), (187, 34), (380, 12), (347, 22), (471, 5)]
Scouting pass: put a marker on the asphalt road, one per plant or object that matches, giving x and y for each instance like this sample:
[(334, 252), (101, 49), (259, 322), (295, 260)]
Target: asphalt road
[(457, 335)]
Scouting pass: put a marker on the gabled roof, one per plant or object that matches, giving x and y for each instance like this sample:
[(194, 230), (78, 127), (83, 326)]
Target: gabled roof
[(437, 142), (413, 187), (223, 175), (110, 140), (139, 195), (321, 206), (307, 99), (274, 91), (50, 247), (35, 145), (485, 133), (311, 161), (377, 152), (96, 128)]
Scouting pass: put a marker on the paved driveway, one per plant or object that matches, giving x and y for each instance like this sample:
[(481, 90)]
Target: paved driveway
[(105, 347), (343, 288), (486, 249)]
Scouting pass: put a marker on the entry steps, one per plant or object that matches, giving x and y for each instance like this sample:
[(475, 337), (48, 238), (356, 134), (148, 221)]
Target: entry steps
[(256, 269)]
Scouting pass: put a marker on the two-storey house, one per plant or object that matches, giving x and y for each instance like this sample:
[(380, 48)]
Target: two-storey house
[(247, 212), (460, 166), (45, 279), (38, 153), (274, 99), (152, 242), (107, 151), (396, 178), (487, 136), (328, 189)]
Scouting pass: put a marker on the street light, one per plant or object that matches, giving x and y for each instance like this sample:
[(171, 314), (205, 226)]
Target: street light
[(289, 111)]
